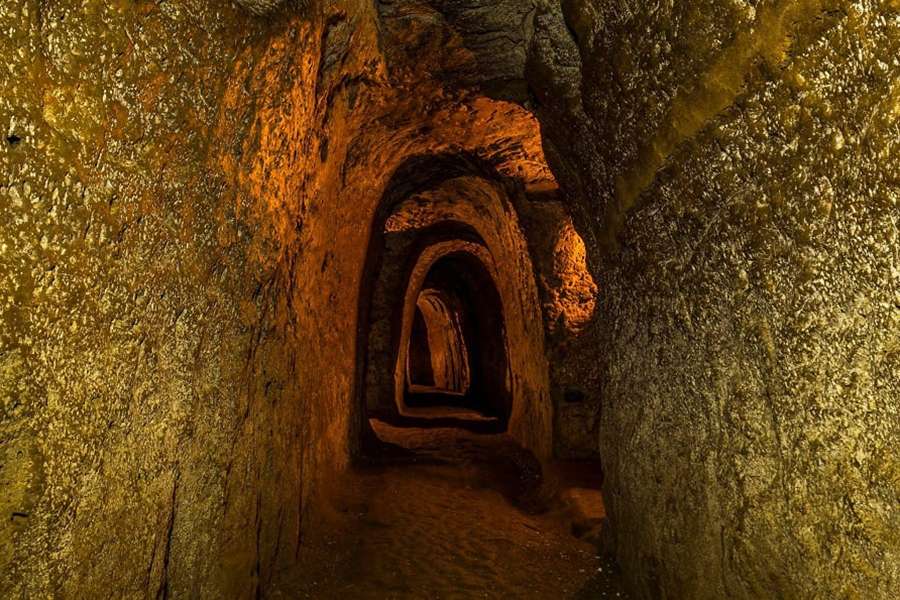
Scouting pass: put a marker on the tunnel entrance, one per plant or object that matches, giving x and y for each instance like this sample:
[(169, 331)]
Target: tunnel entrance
[(456, 351)]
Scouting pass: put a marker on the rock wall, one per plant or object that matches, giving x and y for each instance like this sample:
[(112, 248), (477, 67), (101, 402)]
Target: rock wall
[(573, 323), (734, 168), (135, 309)]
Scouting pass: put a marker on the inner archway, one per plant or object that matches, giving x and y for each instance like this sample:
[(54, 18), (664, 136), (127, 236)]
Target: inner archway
[(462, 315), (483, 296), (438, 359)]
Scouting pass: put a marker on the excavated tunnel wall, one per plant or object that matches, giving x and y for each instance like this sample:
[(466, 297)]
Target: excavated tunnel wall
[(735, 170)]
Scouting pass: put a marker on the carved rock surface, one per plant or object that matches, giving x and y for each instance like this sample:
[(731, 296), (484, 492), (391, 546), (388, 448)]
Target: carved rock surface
[(185, 211), (741, 222), (260, 7)]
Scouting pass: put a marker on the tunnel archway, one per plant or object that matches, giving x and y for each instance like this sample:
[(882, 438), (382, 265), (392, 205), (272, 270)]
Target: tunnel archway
[(455, 199), (438, 357), (455, 277)]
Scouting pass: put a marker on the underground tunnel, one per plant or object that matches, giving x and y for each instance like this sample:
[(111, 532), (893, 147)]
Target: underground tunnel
[(450, 299), (457, 301)]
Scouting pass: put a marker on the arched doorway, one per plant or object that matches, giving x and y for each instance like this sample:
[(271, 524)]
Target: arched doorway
[(465, 324), (438, 356), (462, 210)]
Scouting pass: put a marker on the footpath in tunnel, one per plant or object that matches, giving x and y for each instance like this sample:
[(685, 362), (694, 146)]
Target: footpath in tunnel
[(448, 513)]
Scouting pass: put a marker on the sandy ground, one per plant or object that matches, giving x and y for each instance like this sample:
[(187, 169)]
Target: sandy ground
[(457, 515)]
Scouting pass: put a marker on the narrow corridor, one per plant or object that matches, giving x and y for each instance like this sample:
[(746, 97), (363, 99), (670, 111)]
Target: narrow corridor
[(370, 299)]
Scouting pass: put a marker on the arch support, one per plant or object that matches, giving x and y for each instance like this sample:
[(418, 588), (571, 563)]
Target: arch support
[(466, 270)]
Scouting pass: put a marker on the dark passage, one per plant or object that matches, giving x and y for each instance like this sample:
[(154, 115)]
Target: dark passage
[(419, 367), (457, 347)]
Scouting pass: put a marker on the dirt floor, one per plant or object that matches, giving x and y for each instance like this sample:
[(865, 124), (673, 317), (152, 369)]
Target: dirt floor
[(445, 513)]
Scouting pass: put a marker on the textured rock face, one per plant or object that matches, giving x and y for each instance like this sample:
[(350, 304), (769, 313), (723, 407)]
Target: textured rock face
[(735, 169), (130, 309), (260, 7), (573, 324)]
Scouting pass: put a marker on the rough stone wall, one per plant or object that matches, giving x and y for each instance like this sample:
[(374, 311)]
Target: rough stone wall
[(735, 169), (572, 322), (139, 362), (260, 7)]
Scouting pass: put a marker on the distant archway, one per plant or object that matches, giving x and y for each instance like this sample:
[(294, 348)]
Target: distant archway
[(438, 356), (460, 201), (458, 277)]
